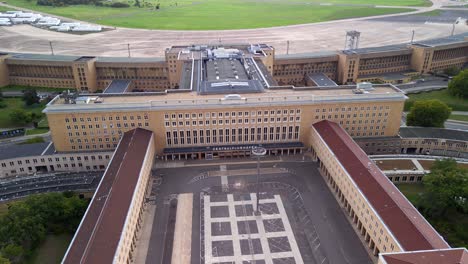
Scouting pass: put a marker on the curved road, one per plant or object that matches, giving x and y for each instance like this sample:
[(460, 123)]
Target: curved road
[(303, 38)]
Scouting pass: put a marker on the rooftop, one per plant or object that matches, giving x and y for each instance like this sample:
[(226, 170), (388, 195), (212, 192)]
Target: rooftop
[(443, 256), (432, 132), (44, 57), (192, 100), (407, 225), (99, 232), (308, 55), (443, 41), (118, 86), (11, 151), (321, 79), (397, 47), (130, 59)]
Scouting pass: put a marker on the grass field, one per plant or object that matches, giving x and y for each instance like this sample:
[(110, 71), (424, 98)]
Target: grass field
[(3, 9), (12, 104), (432, 13), (36, 131), (459, 117), (223, 14), (457, 104), (52, 250), (411, 190)]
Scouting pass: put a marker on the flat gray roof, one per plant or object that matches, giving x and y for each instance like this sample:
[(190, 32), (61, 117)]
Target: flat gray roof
[(225, 69), (308, 55), (442, 41), (431, 132), (28, 56), (118, 86), (12, 151), (397, 47), (131, 59), (321, 79)]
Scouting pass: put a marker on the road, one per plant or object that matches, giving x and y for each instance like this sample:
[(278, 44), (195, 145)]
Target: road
[(13, 188), (302, 38)]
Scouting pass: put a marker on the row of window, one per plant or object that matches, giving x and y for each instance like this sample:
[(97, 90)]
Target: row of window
[(208, 115), (232, 135), (104, 118), (57, 159)]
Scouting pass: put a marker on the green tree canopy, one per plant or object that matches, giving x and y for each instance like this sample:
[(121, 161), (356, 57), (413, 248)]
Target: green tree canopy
[(428, 113), (27, 222), (447, 188), (30, 97), (458, 86), (13, 252), (4, 260), (20, 116)]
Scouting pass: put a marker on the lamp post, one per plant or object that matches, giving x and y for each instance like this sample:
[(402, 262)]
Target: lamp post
[(258, 152)]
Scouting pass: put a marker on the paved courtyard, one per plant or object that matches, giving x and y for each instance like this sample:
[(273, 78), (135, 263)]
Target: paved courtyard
[(234, 234), (300, 220)]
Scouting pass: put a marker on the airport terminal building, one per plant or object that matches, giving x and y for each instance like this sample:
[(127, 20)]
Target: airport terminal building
[(387, 64), (215, 102)]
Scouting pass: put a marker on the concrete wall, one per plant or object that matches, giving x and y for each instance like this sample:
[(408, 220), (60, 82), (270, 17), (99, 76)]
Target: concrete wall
[(73, 162)]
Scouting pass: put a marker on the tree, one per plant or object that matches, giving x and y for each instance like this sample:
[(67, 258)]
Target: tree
[(137, 3), (428, 113), (452, 71), (458, 86), (447, 189), (30, 97), (4, 260), (20, 116), (14, 253)]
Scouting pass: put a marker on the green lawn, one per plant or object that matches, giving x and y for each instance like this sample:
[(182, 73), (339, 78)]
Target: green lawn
[(223, 14), (3, 208), (453, 227), (52, 249), (411, 190), (432, 13), (16, 103), (36, 131), (459, 117), (3, 9), (33, 141), (457, 104)]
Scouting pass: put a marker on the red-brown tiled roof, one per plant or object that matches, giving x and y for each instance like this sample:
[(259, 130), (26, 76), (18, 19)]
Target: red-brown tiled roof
[(99, 233), (406, 224), (443, 256)]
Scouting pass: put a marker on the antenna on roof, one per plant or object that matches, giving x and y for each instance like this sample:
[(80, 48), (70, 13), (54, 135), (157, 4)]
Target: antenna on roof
[(51, 48), (352, 40)]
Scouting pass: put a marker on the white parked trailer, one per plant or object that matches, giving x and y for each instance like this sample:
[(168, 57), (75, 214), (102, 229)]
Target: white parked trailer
[(86, 28), (75, 24), (48, 21), (7, 15)]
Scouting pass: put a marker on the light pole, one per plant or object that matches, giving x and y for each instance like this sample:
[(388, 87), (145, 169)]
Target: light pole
[(258, 152)]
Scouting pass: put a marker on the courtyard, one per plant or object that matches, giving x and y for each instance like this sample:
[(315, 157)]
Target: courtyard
[(299, 220)]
